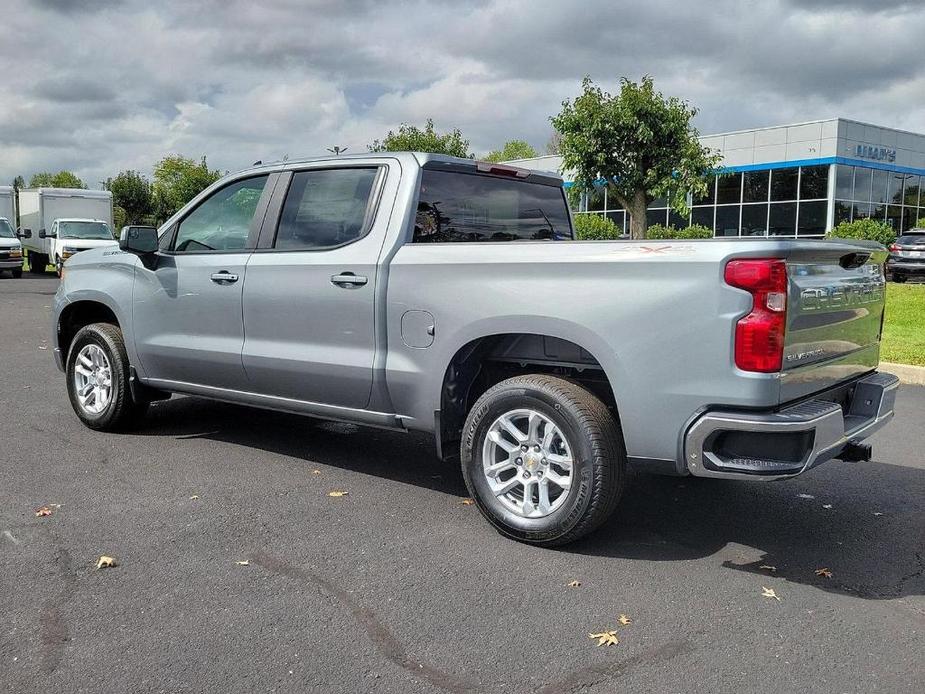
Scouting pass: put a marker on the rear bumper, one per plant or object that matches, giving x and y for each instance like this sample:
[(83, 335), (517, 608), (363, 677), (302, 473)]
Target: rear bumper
[(908, 267), (778, 445)]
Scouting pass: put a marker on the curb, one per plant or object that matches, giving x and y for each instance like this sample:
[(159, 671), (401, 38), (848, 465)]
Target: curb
[(910, 375)]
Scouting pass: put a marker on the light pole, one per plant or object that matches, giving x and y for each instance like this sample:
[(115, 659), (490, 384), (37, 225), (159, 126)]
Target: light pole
[(337, 151)]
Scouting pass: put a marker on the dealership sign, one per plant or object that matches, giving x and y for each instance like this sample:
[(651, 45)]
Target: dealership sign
[(875, 153)]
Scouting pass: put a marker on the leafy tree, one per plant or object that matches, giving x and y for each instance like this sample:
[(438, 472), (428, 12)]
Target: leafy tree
[(552, 145), (515, 149), (19, 183), (410, 138), (920, 224), (864, 229), (62, 179), (132, 192), (177, 180), (593, 227), (639, 143), (695, 231)]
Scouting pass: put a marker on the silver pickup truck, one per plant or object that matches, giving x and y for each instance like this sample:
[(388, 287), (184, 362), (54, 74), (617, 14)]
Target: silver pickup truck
[(423, 292)]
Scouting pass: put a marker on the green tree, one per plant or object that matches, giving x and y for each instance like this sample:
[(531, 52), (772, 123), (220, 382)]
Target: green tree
[(177, 180), (639, 143), (19, 183), (552, 145), (132, 192), (920, 224), (62, 179), (864, 229), (410, 138), (514, 149)]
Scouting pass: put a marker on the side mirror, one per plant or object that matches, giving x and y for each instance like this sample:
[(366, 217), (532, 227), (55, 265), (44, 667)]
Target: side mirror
[(24, 233), (42, 234), (140, 240)]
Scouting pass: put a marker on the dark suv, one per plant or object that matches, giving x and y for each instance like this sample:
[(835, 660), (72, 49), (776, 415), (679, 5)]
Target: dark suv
[(907, 256)]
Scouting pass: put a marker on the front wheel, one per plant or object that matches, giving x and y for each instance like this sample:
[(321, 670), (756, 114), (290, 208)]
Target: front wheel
[(37, 263), (98, 379), (543, 458), (17, 274)]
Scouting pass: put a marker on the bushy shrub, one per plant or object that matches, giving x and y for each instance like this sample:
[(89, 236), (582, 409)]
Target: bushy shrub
[(593, 227), (695, 231), (921, 223), (865, 229)]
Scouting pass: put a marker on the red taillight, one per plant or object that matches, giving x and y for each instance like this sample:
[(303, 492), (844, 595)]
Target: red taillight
[(759, 337), (895, 247)]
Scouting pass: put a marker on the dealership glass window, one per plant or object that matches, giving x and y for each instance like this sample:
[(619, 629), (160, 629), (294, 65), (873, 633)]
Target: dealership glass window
[(702, 216), (710, 197), (782, 220), (842, 211), (894, 217), (677, 221), (596, 199), (729, 188), (860, 210), (755, 186), (784, 184), (877, 211), (862, 180), (617, 217), (844, 182), (814, 182), (895, 192), (812, 218), (755, 219), (912, 190), (727, 220), (880, 181), (659, 216)]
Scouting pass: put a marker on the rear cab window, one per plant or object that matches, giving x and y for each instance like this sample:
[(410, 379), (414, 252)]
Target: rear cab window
[(465, 205), (911, 240)]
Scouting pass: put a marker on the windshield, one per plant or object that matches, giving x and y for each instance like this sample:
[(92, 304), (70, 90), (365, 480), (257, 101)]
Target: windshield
[(6, 231), (917, 240), (84, 230)]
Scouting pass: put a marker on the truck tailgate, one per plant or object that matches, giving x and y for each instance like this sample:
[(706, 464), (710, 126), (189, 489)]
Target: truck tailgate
[(834, 314)]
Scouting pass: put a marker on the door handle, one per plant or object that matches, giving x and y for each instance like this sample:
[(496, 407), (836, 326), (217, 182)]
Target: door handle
[(224, 276), (347, 279)]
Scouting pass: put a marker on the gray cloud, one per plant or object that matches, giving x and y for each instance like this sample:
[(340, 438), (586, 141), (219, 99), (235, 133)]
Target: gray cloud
[(103, 85)]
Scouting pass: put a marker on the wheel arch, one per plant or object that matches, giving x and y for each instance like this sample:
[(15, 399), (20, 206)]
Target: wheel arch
[(81, 313)]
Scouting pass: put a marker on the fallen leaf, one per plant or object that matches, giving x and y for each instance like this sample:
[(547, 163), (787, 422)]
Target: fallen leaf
[(624, 620), (769, 593), (44, 511), (338, 492), (467, 502), (573, 584), (243, 562), (824, 572), (105, 562), (605, 638), (877, 513), (316, 472), (768, 567), (194, 496), (826, 505), (805, 496)]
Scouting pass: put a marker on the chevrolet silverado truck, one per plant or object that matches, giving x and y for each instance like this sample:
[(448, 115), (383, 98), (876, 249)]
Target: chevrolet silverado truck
[(423, 292)]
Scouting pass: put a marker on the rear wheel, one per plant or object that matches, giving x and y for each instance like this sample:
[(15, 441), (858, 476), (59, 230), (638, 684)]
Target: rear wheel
[(899, 278), (17, 274), (98, 379), (543, 458)]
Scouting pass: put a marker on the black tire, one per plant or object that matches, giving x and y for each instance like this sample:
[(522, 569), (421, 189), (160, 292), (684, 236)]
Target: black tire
[(17, 274), (598, 452), (122, 411), (37, 263), (899, 278)]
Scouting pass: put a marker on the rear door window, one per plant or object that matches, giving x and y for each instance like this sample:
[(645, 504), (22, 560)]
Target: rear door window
[(474, 207)]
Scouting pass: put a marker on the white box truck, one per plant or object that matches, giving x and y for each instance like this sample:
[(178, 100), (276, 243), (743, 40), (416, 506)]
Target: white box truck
[(8, 205), (56, 223)]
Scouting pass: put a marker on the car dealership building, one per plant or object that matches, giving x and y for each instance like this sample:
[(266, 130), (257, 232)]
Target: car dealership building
[(793, 180)]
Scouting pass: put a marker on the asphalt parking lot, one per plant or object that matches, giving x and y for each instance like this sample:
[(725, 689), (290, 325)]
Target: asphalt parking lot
[(399, 586)]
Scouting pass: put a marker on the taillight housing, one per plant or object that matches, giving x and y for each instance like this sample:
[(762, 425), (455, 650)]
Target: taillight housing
[(895, 247), (759, 336)]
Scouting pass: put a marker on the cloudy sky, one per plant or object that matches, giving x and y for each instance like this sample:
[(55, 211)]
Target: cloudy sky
[(97, 86)]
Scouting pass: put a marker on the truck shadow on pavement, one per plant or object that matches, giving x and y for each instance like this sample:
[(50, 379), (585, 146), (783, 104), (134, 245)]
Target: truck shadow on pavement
[(864, 523)]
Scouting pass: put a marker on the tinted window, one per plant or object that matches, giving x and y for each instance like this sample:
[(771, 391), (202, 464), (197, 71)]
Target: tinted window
[(812, 218), (896, 188), (782, 221), (912, 240), (894, 217), (472, 207), (675, 220), (754, 220), (727, 220), (814, 182), (862, 185), (756, 186), (659, 216), (702, 216), (596, 199), (325, 208), (222, 221), (617, 218), (729, 188), (911, 191), (710, 197), (784, 184), (880, 182), (844, 182), (842, 212)]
